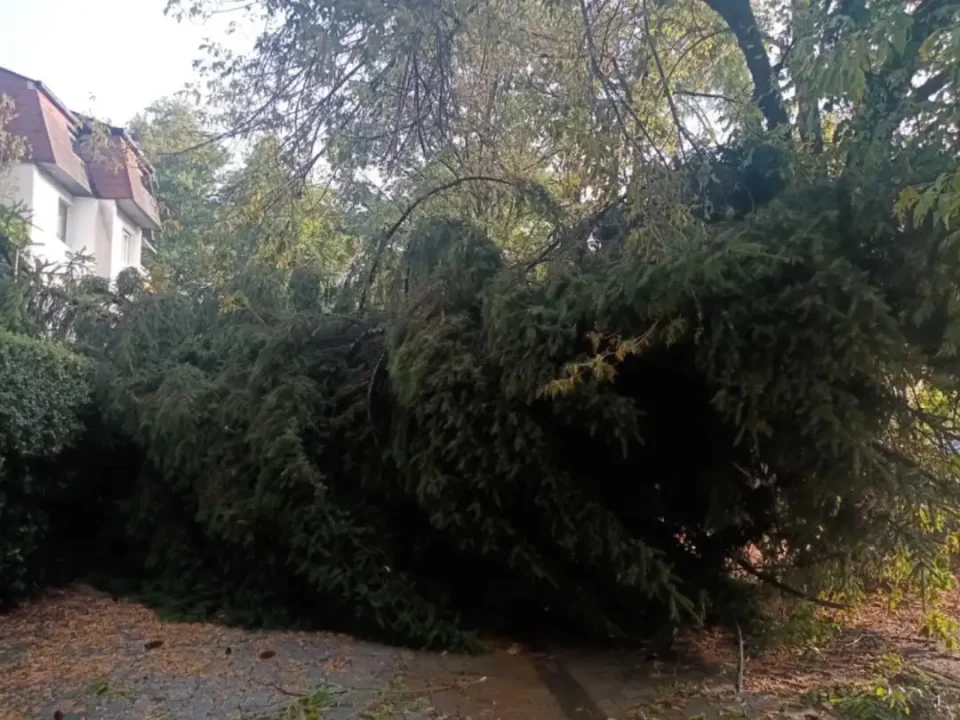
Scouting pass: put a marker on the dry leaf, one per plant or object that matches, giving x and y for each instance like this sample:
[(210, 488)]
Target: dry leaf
[(335, 665)]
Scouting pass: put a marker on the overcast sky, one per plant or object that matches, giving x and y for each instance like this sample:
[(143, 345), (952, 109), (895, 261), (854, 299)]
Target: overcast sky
[(110, 58)]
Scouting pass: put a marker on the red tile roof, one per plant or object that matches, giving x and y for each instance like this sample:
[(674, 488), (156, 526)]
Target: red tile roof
[(61, 132), (54, 136), (29, 121)]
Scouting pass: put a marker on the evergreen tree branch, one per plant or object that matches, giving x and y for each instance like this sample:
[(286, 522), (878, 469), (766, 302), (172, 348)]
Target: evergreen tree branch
[(783, 587)]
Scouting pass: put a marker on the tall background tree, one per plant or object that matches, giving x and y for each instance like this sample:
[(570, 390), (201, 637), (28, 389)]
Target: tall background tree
[(189, 170), (591, 101)]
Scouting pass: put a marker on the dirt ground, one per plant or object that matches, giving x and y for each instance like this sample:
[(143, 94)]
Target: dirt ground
[(78, 653)]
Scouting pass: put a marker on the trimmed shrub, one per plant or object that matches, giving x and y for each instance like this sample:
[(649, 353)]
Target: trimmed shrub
[(45, 390)]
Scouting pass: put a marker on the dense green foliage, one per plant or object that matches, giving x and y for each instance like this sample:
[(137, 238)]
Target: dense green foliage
[(603, 440), (186, 180), (578, 356), (45, 392), (216, 219)]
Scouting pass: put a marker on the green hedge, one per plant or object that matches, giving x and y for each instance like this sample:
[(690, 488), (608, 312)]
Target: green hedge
[(45, 390)]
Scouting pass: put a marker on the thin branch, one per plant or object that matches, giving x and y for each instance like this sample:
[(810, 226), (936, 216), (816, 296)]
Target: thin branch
[(441, 189), (931, 86), (693, 46), (241, 127), (705, 122), (401, 102), (707, 95), (783, 587), (389, 233), (584, 227), (741, 661), (370, 390), (785, 57), (605, 84), (651, 41), (291, 693), (249, 123)]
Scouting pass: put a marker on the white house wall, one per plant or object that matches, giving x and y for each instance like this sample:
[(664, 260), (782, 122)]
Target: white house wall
[(24, 184), (82, 226), (16, 184), (122, 224), (136, 256), (47, 195), (103, 247), (94, 226)]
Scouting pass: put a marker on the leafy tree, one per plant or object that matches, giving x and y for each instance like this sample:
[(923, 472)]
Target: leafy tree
[(217, 218), (275, 218), (13, 221), (45, 392), (189, 168)]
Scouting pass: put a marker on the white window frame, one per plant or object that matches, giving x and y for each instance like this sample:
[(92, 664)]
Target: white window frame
[(63, 219), (126, 248)]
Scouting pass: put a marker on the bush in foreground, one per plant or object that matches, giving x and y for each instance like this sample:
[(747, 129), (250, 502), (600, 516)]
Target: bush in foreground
[(45, 391)]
